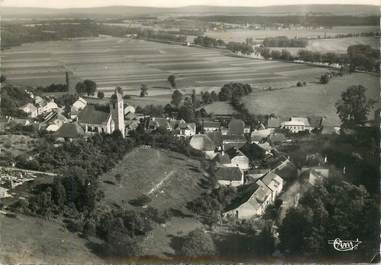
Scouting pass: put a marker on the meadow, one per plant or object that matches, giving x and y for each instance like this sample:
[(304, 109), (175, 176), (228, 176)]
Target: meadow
[(241, 35), (128, 63), (313, 99)]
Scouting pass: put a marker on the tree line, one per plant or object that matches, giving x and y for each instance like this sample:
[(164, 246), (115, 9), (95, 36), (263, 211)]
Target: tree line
[(283, 41)]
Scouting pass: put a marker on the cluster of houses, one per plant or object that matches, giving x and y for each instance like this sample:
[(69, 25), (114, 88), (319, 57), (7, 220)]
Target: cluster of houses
[(238, 151)]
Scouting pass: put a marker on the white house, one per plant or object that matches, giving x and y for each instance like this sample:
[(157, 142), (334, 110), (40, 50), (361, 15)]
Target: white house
[(297, 124), (184, 129), (77, 106), (210, 126), (274, 183), (46, 106), (254, 204), (30, 109)]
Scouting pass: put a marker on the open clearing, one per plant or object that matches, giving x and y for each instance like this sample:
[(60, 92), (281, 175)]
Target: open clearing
[(170, 179), (128, 63), (313, 99)]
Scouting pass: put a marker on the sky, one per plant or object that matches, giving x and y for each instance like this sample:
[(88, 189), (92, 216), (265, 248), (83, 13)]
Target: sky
[(172, 3)]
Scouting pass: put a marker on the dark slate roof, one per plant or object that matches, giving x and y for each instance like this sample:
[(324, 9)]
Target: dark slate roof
[(70, 130), (94, 114), (244, 193), (236, 126), (228, 173), (252, 151)]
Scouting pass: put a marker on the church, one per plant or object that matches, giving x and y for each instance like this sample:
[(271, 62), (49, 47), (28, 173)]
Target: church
[(104, 118)]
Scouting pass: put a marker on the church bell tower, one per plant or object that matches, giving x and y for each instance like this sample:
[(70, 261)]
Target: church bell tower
[(117, 110)]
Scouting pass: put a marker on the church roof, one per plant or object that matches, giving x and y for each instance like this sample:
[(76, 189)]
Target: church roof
[(94, 114)]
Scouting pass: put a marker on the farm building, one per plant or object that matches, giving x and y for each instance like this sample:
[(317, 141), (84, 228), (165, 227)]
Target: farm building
[(30, 109), (300, 124), (229, 176), (254, 198), (184, 129)]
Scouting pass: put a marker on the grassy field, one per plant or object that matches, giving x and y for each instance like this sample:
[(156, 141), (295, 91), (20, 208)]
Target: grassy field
[(128, 63), (241, 35), (313, 99), (28, 240), (170, 179)]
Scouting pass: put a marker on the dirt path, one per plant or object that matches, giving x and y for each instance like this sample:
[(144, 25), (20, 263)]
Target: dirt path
[(158, 185)]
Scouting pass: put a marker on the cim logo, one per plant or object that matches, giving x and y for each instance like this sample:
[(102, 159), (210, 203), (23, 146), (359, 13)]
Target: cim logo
[(344, 245)]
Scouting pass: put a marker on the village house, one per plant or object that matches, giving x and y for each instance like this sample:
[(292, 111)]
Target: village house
[(230, 141), (45, 106), (229, 176), (210, 126), (274, 182), (102, 118), (252, 202), (156, 123), (238, 159), (300, 124), (77, 106), (259, 136), (253, 199), (30, 109), (203, 143), (184, 129), (53, 121)]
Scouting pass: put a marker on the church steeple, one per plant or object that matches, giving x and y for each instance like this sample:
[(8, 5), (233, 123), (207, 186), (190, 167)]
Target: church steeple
[(117, 110)]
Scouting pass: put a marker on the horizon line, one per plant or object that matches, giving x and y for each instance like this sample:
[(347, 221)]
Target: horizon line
[(168, 7)]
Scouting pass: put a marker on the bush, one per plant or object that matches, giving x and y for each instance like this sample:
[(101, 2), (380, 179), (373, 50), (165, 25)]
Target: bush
[(198, 244)]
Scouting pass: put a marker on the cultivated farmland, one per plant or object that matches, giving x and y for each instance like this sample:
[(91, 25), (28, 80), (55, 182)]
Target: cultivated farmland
[(128, 63)]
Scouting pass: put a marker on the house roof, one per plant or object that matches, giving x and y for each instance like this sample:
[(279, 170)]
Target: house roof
[(70, 130), (228, 173), (231, 141), (273, 122), (202, 142), (236, 126), (268, 178), (277, 137), (244, 193), (211, 124), (94, 114), (258, 135), (216, 137), (29, 107), (252, 151)]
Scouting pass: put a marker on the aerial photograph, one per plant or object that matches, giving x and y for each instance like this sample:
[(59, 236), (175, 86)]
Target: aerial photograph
[(190, 131)]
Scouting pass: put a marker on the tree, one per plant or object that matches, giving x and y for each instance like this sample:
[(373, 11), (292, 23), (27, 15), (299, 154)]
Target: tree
[(90, 87), (186, 113), (264, 242), (2, 78), (353, 108), (177, 97), (100, 94), (198, 244), (80, 88), (172, 81), (143, 90)]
